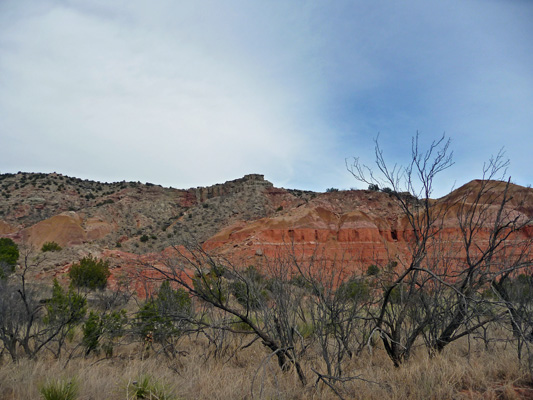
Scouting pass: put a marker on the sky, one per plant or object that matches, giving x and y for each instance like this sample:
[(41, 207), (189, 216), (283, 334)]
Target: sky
[(193, 93)]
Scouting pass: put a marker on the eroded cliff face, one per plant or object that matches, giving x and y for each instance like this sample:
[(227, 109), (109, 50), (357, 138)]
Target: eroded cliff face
[(360, 228), (354, 224), (246, 219)]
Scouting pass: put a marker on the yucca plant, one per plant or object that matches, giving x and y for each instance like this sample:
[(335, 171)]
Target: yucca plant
[(147, 388), (57, 389)]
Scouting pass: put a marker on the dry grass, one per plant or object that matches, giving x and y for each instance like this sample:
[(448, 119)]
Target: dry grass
[(452, 375)]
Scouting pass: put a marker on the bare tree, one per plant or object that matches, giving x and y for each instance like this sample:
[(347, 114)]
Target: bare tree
[(412, 187), (493, 249), (337, 307), (267, 306), (26, 323), (437, 289)]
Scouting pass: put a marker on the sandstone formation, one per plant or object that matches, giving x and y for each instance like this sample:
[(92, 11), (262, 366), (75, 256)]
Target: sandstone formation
[(247, 218)]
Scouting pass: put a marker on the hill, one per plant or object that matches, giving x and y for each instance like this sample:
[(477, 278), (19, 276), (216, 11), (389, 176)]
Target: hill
[(246, 217)]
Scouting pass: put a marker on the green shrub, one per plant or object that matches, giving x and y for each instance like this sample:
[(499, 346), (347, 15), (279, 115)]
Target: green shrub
[(372, 270), (66, 307), (51, 246), (300, 281), (306, 329), (146, 387), (355, 289), (9, 254), (250, 291), (100, 331), (398, 294), (248, 295), (92, 330), (212, 287), (60, 389), (144, 238), (217, 271), (488, 294), (90, 273), (520, 289), (107, 201), (177, 299), (165, 315), (238, 325)]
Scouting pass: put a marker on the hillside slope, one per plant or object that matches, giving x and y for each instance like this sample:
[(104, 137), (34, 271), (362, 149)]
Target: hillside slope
[(246, 218)]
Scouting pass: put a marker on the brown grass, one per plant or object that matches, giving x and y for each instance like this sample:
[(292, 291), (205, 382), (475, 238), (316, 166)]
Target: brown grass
[(250, 373)]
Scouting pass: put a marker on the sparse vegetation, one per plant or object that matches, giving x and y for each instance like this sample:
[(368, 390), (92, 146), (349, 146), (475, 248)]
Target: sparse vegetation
[(203, 334), (107, 201), (494, 374), (417, 321), (51, 246)]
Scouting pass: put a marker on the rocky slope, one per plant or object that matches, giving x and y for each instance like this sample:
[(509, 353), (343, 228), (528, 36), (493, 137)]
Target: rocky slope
[(36, 208), (246, 217)]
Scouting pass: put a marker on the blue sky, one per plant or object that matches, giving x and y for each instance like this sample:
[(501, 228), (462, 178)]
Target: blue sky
[(195, 93)]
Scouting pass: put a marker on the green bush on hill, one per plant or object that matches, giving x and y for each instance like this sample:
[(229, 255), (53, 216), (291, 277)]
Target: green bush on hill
[(51, 246), (90, 273), (9, 254)]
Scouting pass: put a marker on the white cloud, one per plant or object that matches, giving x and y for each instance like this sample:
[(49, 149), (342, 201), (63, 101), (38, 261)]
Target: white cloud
[(112, 99), (196, 93)]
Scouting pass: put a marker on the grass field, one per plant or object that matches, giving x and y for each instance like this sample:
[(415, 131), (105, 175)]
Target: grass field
[(465, 370)]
